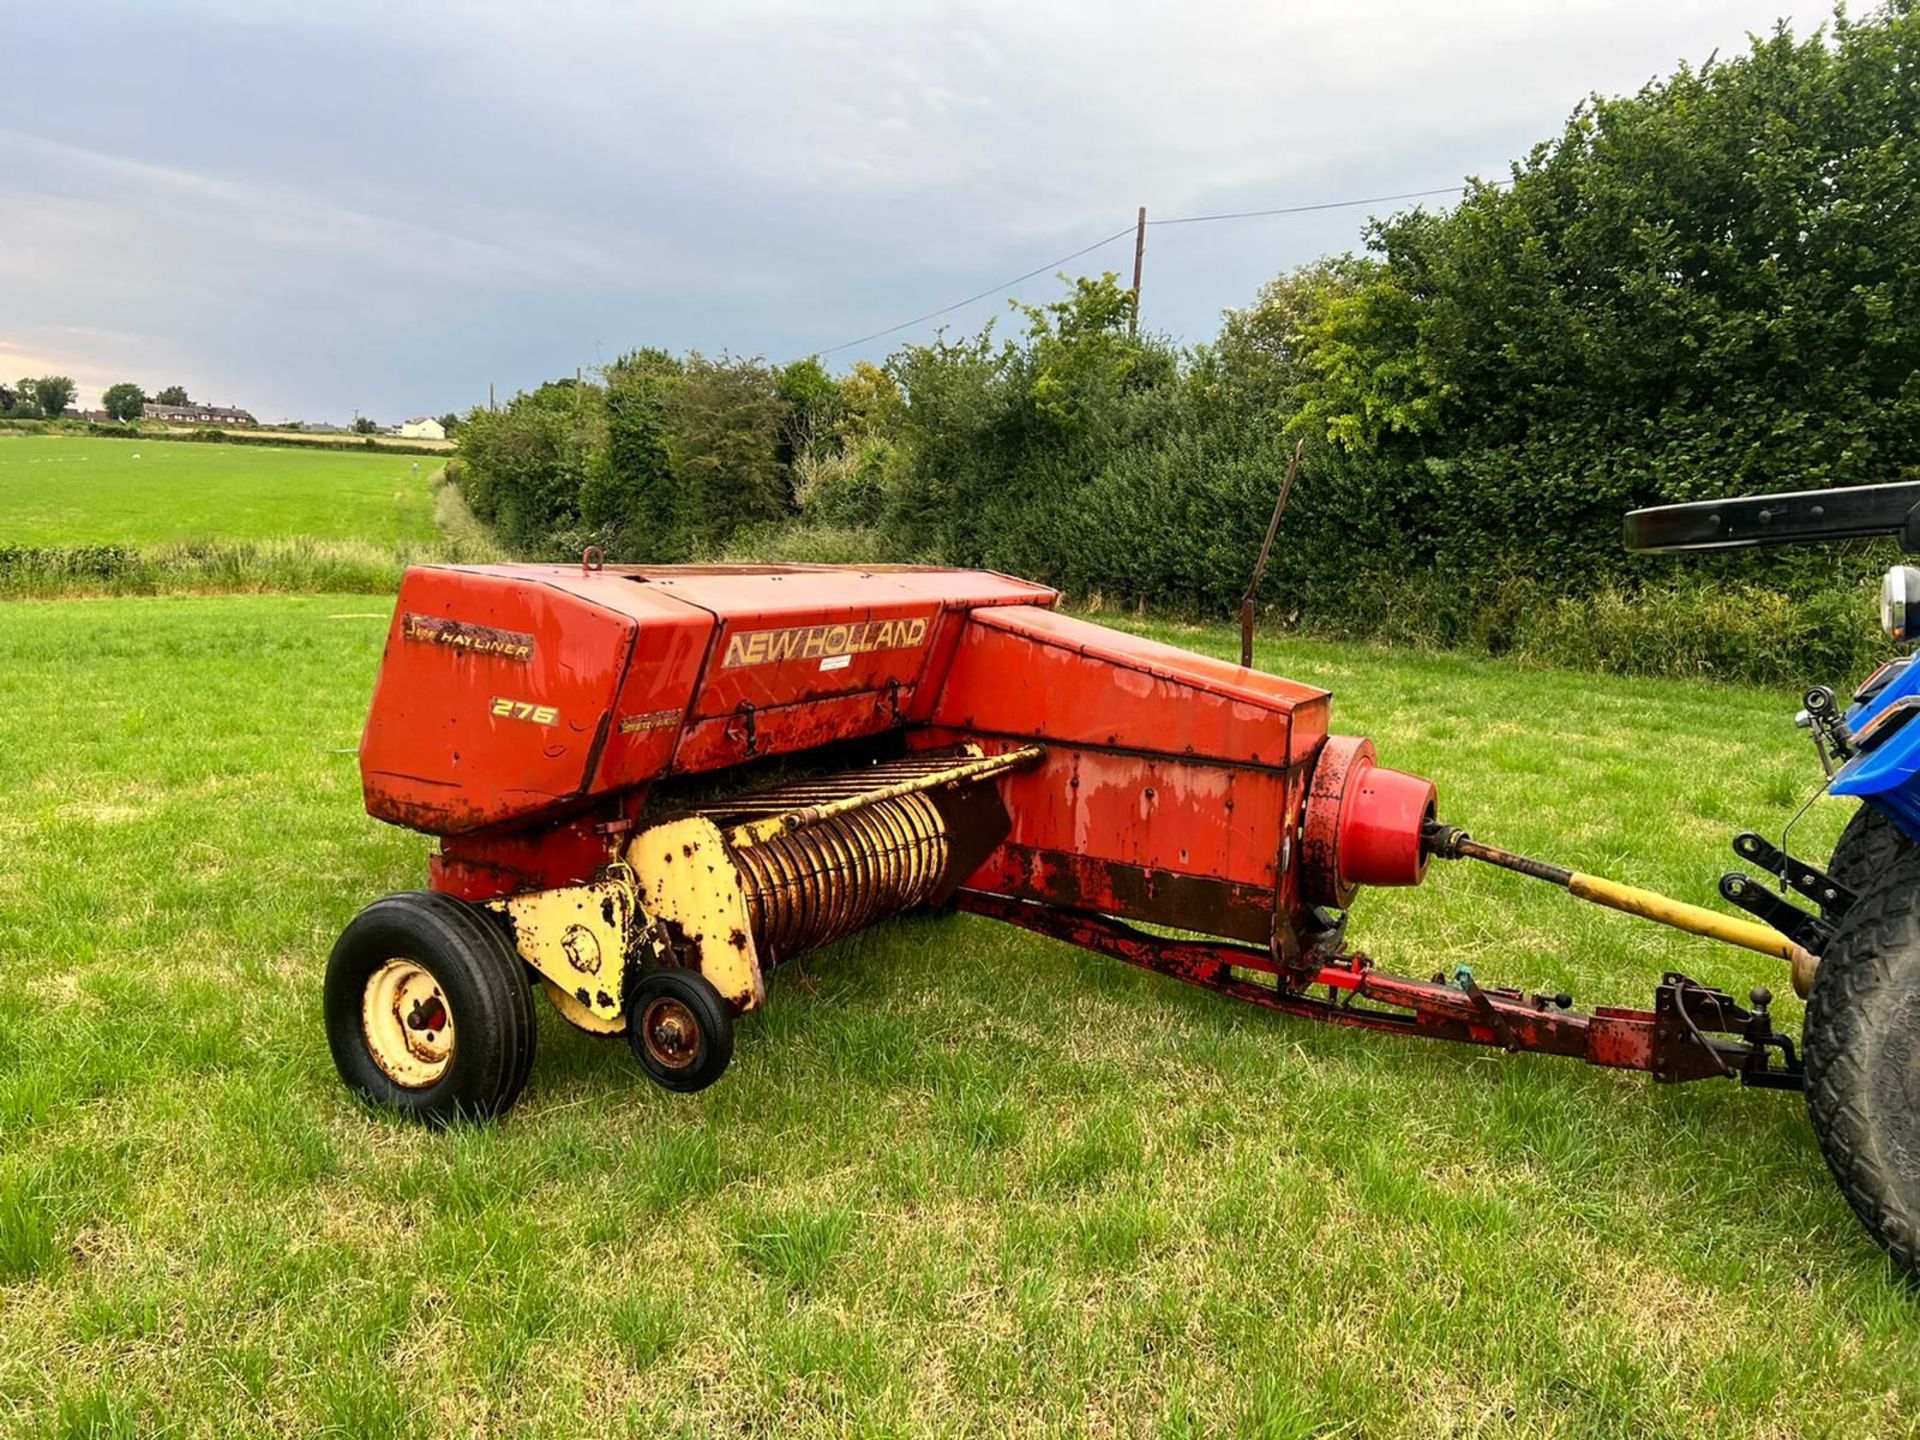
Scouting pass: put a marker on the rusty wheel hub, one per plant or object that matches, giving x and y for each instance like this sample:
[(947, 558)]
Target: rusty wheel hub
[(408, 1027), (671, 1033)]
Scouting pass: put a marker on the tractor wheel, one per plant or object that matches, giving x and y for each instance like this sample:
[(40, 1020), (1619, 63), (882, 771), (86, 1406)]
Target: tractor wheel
[(1865, 848), (1862, 1042), (680, 1029), (428, 1009)]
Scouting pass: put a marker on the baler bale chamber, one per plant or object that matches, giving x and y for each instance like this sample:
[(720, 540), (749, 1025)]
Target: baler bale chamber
[(651, 787)]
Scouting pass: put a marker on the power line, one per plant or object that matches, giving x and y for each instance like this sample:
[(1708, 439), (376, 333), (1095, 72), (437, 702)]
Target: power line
[(1128, 230), (1304, 209), (990, 290)]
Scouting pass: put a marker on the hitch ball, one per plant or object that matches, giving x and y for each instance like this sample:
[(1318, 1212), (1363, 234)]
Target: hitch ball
[(1363, 824)]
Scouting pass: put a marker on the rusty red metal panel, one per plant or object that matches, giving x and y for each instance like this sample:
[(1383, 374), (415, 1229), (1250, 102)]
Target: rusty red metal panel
[(793, 656), (751, 734), (1167, 793), (480, 867), (1158, 814), (1200, 903), (790, 635), (1026, 672), (493, 700), (518, 690), (655, 696), (1621, 1039)]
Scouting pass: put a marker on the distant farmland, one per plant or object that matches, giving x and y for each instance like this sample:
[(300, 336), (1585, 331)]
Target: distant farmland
[(61, 490)]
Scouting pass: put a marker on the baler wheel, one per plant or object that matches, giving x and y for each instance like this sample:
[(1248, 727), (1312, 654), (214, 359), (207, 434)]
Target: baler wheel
[(680, 1029), (429, 1010), (1862, 1040)]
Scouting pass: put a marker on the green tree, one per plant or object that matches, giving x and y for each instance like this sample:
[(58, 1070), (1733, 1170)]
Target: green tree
[(1004, 436), (52, 393), (523, 469), (18, 402), (124, 401), (364, 425), (172, 395), (630, 498), (725, 427), (449, 423), (814, 407), (1707, 287)]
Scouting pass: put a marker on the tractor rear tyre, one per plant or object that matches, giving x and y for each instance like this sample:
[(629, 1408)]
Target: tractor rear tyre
[(680, 1029), (1862, 1042), (429, 1011), (1865, 848)]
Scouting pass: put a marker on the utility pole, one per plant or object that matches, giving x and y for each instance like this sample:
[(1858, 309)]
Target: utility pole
[(1139, 258), (490, 404)]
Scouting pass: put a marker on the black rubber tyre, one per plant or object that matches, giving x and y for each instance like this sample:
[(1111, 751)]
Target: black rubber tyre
[(1866, 847), (475, 984), (1862, 1042), (680, 1029)]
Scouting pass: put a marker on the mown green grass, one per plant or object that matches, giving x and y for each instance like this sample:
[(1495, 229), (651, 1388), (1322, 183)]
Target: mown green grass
[(959, 1181), (68, 490)]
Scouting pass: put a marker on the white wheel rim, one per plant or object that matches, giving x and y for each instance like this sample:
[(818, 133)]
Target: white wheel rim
[(408, 1024)]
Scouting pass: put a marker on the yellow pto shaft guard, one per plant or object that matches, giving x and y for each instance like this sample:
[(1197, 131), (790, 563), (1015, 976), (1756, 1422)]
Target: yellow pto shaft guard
[(1448, 842)]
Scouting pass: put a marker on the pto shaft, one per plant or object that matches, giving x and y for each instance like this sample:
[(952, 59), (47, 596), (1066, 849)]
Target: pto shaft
[(1449, 842)]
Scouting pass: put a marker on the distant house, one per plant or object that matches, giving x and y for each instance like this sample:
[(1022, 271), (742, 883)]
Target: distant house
[(424, 428), (196, 415)]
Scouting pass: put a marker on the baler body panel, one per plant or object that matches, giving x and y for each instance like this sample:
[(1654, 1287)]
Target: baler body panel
[(1172, 783), (606, 679), (1036, 673), (1171, 789), (1192, 844), (495, 698), (806, 657)]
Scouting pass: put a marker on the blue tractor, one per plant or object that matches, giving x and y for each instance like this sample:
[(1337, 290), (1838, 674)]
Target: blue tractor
[(1860, 911)]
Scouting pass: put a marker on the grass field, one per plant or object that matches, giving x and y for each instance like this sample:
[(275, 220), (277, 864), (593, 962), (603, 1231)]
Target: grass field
[(960, 1181), (74, 490)]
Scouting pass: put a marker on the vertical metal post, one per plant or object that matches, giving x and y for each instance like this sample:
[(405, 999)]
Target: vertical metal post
[(1266, 549), (1139, 258)]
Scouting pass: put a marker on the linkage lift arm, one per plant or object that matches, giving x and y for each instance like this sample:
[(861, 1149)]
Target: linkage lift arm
[(1859, 512)]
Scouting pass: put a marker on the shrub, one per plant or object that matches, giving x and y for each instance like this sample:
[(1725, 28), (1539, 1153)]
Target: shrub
[(809, 545)]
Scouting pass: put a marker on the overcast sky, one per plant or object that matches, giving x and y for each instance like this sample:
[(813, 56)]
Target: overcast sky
[(377, 207)]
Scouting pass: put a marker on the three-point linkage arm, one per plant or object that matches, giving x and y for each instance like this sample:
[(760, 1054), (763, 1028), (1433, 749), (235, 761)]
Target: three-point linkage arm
[(1858, 512)]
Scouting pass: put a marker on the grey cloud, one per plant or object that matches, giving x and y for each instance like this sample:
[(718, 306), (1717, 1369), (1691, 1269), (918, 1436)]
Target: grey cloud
[(386, 206)]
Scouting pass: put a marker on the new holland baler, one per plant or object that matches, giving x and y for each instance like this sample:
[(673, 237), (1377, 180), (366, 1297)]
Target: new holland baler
[(651, 787)]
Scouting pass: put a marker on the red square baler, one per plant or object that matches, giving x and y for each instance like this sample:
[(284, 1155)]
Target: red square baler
[(653, 786)]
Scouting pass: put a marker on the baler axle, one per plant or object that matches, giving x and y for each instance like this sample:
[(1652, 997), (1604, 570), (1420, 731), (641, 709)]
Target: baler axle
[(1449, 842)]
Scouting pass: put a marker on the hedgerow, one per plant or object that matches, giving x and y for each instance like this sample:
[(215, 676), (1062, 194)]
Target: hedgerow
[(1706, 288)]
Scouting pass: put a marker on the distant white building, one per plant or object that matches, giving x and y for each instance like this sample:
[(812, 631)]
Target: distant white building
[(425, 428)]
